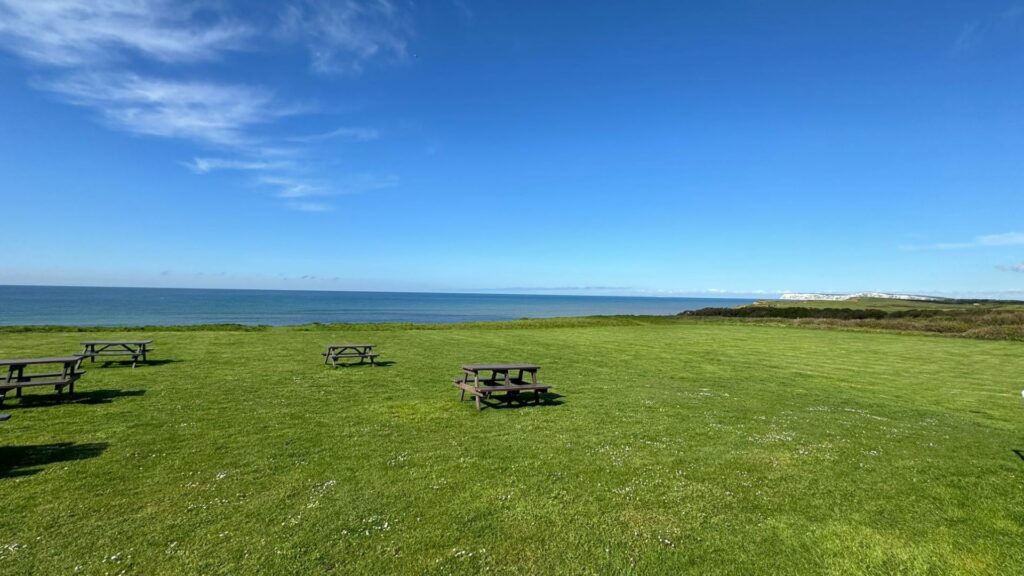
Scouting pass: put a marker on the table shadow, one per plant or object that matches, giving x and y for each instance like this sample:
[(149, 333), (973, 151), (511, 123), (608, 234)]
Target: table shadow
[(377, 364), (19, 461), (106, 364), (525, 400), (80, 397)]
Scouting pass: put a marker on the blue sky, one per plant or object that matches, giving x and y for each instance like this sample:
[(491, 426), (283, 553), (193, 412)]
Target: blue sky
[(661, 148)]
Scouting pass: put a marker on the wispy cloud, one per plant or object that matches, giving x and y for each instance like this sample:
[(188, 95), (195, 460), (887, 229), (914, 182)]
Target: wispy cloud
[(206, 165), (968, 37), (358, 183), (204, 112), (90, 53), (355, 134), (79, 32), (988, 240), (309, 206), (1018, 267), (555, 289), (342, 35), (289, 187), (297, 187), (976, 32)]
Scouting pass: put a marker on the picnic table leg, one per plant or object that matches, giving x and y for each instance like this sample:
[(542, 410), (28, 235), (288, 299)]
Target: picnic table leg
[(511, 395)]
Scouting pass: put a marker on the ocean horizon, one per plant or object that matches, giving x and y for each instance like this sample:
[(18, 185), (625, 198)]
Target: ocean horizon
[(109, 306)]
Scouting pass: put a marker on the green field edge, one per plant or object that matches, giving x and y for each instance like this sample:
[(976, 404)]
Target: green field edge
[(522, 324)]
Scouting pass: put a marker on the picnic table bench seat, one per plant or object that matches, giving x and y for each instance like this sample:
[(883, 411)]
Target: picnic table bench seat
[(17, 379), (113, 353)]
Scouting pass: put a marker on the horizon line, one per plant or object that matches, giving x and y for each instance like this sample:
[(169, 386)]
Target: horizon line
[(470, 292)]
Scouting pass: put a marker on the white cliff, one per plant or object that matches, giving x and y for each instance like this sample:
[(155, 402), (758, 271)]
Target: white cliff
[(838, 297)]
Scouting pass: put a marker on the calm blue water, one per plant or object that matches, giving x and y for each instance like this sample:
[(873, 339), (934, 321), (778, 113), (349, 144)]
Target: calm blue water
[(74, 306)]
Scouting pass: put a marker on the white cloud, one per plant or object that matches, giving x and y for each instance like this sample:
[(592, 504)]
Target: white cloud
[(355, 134), (988, 240), (208, 113), (1008, 239), (289, 187), (1018, 267), (342, 35), (77, 32), (90, 53), (207, 165), (294, 187)]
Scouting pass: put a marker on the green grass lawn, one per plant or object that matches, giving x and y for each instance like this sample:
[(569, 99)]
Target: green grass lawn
[(674, 447)]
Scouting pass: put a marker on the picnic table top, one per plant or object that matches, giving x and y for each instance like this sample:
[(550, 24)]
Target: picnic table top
[(51, 360), (89, 342), (499, 367), (350, 345)]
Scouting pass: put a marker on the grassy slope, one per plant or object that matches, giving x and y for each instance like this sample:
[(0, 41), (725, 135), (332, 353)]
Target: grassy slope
[(709, 447), (890, 304)]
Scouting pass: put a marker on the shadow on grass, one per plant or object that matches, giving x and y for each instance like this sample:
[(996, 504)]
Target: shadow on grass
[(128, 363), (81, 397), (18, 461), (377, 364), (524, 400), (1019, 453)]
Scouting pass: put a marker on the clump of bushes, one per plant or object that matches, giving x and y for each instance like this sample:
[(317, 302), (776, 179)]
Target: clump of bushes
[(971, 323), (792, 313)]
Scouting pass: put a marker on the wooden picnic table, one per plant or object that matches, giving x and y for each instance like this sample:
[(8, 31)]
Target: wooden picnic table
[(17, 379), (336, 352), (501, 380), (135, 348)]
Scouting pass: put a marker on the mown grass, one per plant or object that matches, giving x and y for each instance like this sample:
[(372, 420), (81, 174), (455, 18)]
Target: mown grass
[(673, 447)]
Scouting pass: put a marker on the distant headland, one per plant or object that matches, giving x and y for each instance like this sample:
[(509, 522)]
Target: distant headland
[(839, 297)]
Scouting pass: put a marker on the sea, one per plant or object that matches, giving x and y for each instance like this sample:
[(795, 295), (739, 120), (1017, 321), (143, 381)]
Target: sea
[(90, 306)]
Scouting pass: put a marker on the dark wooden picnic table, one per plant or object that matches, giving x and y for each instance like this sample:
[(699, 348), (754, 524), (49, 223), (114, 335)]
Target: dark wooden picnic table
[(501, 380), (17, 378), (336, 352), (135, 348)]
